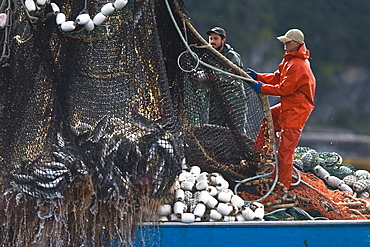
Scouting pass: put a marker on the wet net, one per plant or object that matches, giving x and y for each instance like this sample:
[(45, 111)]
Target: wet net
[(95, 125)]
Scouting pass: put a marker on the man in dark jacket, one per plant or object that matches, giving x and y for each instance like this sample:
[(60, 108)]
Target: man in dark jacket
[(209, 86), (217, 39)]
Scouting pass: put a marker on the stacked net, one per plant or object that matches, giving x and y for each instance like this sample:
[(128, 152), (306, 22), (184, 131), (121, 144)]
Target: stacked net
[(323, 188), (95, 125)]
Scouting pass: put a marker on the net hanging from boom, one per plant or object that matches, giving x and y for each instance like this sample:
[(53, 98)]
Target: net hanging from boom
[(95, 125)]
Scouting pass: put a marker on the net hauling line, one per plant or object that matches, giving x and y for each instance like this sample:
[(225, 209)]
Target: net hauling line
[(244, 77)]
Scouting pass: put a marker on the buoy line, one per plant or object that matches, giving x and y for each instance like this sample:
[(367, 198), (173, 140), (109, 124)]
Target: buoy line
[(83, 19)]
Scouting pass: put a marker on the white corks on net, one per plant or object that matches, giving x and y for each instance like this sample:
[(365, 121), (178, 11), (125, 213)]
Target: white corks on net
[(203, 196)]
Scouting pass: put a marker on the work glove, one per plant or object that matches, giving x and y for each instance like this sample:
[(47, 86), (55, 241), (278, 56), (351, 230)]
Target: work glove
[(257, 86), (252, 73)]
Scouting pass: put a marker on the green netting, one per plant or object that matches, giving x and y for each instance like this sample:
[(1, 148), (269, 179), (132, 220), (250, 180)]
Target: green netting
[(308, 158), (341, 171), (292, 213)]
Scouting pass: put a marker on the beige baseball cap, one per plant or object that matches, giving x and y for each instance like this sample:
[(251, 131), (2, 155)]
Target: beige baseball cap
[(292, 34)]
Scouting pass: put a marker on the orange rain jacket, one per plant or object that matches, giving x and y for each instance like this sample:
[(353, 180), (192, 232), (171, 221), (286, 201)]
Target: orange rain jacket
[(295, 83)]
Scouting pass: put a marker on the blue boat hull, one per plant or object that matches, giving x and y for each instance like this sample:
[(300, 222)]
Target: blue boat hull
[(269, 233)]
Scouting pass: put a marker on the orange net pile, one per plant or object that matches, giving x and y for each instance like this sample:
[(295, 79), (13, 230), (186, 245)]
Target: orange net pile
[(311, 195), (332, 204)]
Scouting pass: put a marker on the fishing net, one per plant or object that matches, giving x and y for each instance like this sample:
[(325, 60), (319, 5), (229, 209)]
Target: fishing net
[(312, 197), (322, 201), (96, 125)]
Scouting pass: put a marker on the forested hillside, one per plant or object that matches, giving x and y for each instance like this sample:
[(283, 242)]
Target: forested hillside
[(337, 35)]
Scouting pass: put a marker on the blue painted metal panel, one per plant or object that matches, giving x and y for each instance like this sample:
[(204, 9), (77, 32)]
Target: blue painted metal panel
[(274, 234)]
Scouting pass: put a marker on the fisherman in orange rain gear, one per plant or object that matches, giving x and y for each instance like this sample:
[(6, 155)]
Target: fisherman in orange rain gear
[(295, 83)]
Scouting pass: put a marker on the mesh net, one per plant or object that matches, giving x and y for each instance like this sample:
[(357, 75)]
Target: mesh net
[(310, 197), (95, 125), (325, 202)]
